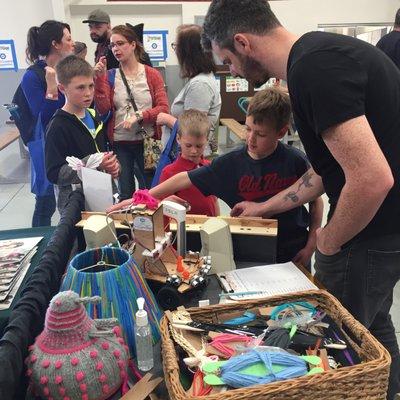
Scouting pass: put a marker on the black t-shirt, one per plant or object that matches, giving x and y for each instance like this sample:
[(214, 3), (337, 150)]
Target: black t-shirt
[(333, 78), (236, 177), (390, 45)]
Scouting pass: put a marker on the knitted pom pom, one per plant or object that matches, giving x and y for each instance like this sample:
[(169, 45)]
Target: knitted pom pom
[(103, 378), (105, 345), (44, 380), (85, 397), (106, 389), (80, 376), (28, 372), (94, 354), (74, 361), (122, 374), (46, 391), (62, 391), (121, 364), (83, 387), (117, 353), (58, 379), (45, 363), (33, 358), (58, 364), (117, 330), (121, 340), (99, 366)]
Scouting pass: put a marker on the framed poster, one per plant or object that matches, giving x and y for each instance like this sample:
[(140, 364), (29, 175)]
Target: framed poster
[(155, 44), (8, 58)]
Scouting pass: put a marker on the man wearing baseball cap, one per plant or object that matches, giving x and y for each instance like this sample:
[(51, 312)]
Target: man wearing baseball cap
[(100, 32)]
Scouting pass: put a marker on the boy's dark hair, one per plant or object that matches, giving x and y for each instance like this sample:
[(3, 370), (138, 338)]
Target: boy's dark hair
[(40, 38), (226, 18), (192, 58), (130, 35), (397, 19), (72, 66), (270, 107), (193, 122)]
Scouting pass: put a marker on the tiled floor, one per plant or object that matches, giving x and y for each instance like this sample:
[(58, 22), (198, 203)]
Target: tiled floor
[(17, 203)]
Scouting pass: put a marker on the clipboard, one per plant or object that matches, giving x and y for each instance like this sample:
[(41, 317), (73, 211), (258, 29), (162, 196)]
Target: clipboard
[(265, 281)]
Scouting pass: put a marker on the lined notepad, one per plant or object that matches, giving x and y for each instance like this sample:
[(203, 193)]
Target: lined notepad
[(269, 280)]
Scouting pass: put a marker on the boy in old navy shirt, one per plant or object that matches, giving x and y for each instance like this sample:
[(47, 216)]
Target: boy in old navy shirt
[(192, 137), (258, 171)]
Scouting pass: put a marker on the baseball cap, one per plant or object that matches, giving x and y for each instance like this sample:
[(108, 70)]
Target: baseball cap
[(97, 16)]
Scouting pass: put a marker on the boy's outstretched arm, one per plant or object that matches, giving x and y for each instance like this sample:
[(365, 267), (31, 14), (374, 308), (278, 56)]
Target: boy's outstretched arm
[(170, 186), (316, 211), (304, 190)]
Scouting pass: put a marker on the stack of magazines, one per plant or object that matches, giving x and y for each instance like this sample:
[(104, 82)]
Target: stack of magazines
[(15, 259)]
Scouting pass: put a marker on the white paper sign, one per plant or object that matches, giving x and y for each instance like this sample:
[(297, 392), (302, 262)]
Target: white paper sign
[(97, 187), (155, 44), (8, 59)]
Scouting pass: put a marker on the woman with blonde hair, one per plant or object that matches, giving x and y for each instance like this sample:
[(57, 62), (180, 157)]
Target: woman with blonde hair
[(134, 94)]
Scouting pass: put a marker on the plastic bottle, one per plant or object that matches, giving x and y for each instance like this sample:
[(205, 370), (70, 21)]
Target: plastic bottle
[(143, 338)]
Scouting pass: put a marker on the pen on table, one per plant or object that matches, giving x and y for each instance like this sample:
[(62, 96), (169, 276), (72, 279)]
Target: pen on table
[(241, 293)]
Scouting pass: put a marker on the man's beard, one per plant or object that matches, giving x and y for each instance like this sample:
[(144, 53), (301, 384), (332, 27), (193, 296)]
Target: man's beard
[(99, 39), (253, 71)]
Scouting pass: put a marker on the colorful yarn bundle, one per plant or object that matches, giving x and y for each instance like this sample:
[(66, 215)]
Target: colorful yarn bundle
[(220, 343), (112, 274), (256, 368), (75, 357), (294, 367)]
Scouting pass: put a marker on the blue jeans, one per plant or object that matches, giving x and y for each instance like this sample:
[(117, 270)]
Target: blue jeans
[(131, 158), (44, 209), (362, 276)]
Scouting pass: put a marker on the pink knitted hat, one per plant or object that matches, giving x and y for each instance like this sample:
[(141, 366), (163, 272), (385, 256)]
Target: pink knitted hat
[(75, 357)]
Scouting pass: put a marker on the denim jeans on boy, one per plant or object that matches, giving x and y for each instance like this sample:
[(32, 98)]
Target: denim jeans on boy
[(362, 276), (131, 158), (44, 209)]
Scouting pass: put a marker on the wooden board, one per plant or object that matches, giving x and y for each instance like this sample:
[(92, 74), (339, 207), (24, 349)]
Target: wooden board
[(253, 226), (235, 127), (8, 137)]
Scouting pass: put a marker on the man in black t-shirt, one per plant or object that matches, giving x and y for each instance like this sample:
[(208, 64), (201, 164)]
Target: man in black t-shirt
[(390, 43), (346, 103)]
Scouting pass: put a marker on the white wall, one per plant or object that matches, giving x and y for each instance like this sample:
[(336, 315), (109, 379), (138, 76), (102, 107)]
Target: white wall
[(155, 16), (18, 17), (298, 16)]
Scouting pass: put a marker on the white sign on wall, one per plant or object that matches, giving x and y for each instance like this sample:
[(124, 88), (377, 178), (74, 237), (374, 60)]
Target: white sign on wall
[(155, 44), (8, 58)]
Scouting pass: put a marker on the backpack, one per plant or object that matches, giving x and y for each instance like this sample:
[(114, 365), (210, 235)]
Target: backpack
[(20, 110), (168, 155)]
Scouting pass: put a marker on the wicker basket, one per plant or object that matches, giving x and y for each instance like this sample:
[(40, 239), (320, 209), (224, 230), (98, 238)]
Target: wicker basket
[(367, 380)]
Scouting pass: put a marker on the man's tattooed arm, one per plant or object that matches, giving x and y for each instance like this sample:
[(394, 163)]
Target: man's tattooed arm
[(306, 181)]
